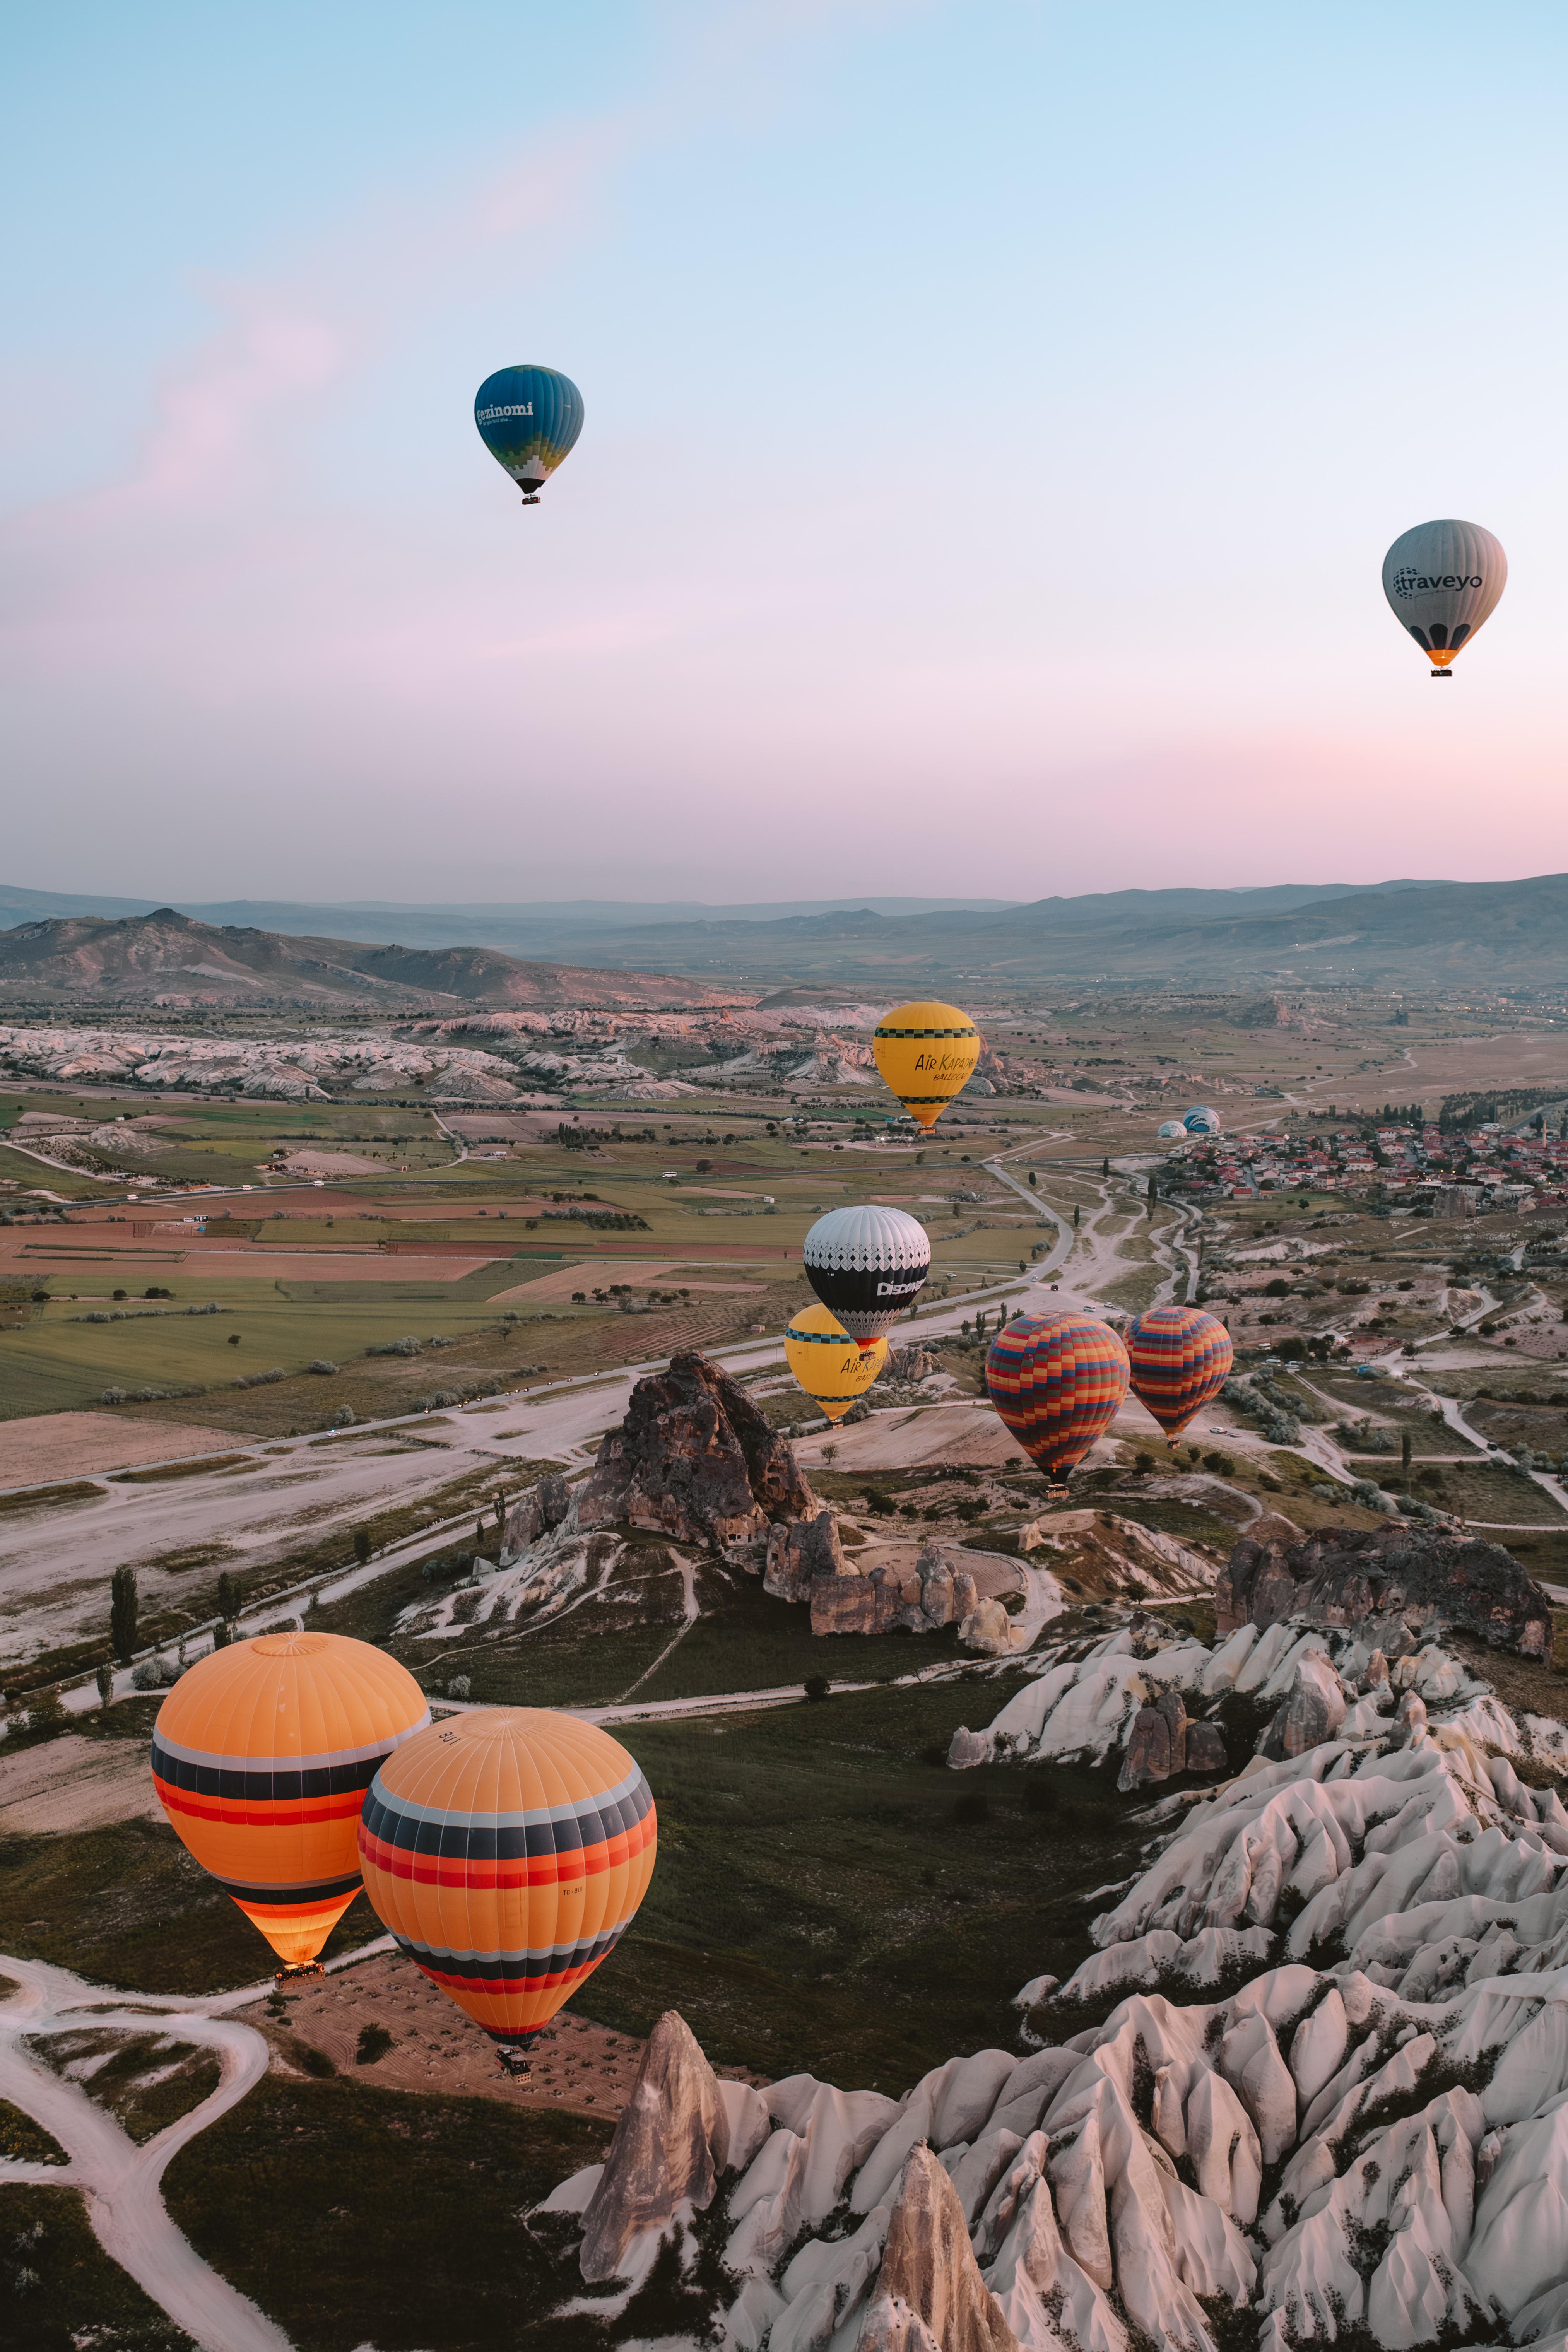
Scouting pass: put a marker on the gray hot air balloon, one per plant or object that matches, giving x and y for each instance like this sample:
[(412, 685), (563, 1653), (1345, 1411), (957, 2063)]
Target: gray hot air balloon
[(1442, 580)]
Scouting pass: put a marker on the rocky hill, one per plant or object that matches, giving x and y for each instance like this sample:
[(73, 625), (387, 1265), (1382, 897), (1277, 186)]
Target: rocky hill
[(166, 959)]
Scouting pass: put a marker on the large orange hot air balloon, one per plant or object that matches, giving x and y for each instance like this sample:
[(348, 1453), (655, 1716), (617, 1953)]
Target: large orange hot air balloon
[(506, 1849), (261, 1757), (1181, 1358), (1058, 1381)]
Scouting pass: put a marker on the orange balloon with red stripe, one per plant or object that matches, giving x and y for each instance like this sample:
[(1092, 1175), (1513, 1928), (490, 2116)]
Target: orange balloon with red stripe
[(261, 1757), (506, 1849)]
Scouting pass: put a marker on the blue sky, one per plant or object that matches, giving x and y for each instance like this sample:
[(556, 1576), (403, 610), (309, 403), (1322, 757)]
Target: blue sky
[(996, 415)]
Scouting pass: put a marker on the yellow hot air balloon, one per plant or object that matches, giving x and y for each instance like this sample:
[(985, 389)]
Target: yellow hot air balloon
[(261, 1757), (507, 1851), (826, 1361), (926, 1054)]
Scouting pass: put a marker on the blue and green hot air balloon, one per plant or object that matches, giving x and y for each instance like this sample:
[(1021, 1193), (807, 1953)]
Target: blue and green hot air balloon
[(529, 419)]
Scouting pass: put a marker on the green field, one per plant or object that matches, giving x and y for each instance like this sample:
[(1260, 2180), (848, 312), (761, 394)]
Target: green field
[(356, 2216), (59, 2291)]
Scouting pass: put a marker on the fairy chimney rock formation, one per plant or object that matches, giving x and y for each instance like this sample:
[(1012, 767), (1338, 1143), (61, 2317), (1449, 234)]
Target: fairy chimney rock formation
[(696, 1459), (670, 2144), (929, 2295)]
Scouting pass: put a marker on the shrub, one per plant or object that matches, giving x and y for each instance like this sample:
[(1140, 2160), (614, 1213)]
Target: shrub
[(816, 1687), (234, 1338), (315, 2061), (120, 1294), (112, 1396), (322, 1364), (123, 1605), (374, 2043), (47, 1715), (459, 1687), (362, 1545)]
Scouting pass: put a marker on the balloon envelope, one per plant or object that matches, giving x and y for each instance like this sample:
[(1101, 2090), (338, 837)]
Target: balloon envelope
[(826, 1361), (926, 1054), (867, 1267), (1442, 580), (529, 419), (507, 1851), (1181, 1358), (1171, 1128), (1058, 1381), (261, 1757)]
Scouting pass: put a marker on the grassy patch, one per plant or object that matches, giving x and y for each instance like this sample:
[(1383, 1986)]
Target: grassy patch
[(354, 2215), (44, 1498), (59, 2290), (22, 2141), (127, 1906), (145, 2080), (163, 1471), (818, 1906)]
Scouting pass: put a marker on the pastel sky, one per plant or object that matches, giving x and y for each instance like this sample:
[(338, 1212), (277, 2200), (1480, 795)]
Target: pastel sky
[(996, 416)]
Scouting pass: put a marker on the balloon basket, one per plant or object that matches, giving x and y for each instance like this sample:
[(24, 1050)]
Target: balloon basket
[(531, 502), (1442, 673), (297, 1971)]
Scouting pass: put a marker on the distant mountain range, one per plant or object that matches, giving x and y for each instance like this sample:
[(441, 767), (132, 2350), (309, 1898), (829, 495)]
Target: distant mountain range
[(1421, 933), (165, 958)]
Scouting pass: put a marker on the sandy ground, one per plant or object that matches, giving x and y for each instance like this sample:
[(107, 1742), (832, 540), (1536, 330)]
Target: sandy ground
[(594, 1272), (968, 1437), (331, 1164), (62, 1446), (72, 1784), (437, 2048)]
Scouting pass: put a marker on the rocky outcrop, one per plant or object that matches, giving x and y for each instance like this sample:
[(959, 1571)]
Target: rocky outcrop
[(799, 1554), (1397, 1587), (1157, 1743), (1205, 1748), (670, 2144), (987, 1631), (535, 1514), (936, 1591), (695, 1459), (1314, 1710), (930, 2295)]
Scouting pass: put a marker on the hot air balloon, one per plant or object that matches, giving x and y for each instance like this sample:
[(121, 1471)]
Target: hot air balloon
[(926, 1054), (1058, 1381), (826, 1361), (867, 1267), (506, 1849), (1201, 1120), (1442, 580), (1181, 1358), (528, 420), (261, 1757), (1171, 1131)]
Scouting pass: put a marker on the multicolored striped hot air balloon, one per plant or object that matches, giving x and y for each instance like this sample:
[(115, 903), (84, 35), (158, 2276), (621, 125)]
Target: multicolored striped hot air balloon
[(1058, 1381), (506, 1849), (826, 1361), (1181, 1358), (926, 1054), (261, 1757)]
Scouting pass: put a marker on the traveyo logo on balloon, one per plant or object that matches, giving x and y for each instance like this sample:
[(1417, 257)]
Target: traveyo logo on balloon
[(1408, 582)]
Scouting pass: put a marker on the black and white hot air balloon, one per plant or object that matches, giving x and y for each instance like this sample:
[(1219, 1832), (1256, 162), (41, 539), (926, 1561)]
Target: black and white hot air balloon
[(869, 1265), (1442, 580)]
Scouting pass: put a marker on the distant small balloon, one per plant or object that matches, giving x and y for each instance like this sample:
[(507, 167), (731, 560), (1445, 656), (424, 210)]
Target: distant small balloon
[(1442, 580), (528, 420), (926, 1054), (1201, 1120), (1171, 1131)]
